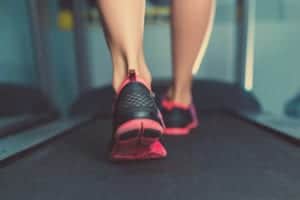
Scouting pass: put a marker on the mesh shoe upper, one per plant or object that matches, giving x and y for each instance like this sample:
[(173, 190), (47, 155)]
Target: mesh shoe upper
[(177, 117), (135, 101)]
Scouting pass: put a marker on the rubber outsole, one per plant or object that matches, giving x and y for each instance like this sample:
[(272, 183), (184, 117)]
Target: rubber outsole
[(135, 133), (181, 131), (138, 140), (134, 151)]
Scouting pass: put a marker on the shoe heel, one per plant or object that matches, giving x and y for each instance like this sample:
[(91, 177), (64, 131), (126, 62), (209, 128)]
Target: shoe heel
[(149, 136), (131, 146), (144, 128), (140, 135), (134, 135)]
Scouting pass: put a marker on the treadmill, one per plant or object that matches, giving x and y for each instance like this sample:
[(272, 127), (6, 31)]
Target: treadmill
[(235, 153), (225, 158)]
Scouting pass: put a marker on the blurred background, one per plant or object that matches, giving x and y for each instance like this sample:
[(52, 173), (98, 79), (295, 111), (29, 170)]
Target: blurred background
[(276, 61), (52, 52)]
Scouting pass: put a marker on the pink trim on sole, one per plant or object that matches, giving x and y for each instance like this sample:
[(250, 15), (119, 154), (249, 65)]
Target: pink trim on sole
[(138, 124), (169, 105), (181, 131), (136, 151)]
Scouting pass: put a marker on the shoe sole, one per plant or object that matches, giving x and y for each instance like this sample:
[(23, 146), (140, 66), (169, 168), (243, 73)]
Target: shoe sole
[(181, 131), (134, 136)]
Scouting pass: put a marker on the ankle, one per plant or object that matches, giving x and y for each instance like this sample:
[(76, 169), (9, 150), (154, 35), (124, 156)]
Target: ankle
[(122, 63), (144, 73), (120, 75)]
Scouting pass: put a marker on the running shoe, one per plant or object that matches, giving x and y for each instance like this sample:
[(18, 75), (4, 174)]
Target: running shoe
[(179, 119), (137, 122)]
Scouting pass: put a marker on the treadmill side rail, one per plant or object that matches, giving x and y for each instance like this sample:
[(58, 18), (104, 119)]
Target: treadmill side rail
[(13, 145), (18, 124)]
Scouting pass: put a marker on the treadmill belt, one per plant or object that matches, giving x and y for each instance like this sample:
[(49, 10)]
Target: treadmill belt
[(225, 158)]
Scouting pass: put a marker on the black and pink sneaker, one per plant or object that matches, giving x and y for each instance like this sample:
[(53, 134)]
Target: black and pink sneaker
[(179, 119), (137, 122)]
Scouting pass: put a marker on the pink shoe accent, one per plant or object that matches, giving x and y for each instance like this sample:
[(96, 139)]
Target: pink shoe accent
[(140, 147), (138, 124), (169, 105), (181, 131), (185, 130), (135, 151)]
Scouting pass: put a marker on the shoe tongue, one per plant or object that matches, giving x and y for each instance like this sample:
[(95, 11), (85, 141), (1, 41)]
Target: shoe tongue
[(132, 75)]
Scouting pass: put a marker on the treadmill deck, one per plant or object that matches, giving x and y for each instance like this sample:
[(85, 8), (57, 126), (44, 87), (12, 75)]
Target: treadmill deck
[(225, 158)]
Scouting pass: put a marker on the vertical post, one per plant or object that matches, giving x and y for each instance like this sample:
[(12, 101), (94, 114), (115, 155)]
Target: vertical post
[(245, 40), (81, 50), (38, 19)]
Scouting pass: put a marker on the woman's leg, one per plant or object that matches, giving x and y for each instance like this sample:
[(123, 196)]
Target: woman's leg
[(123, 22), (192, 22), (137, 125)]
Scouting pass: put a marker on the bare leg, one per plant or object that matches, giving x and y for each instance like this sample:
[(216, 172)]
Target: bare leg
[(124, 28), (137, 125), (191, 29)]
